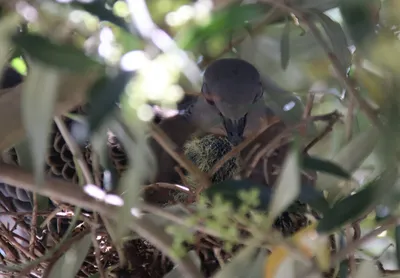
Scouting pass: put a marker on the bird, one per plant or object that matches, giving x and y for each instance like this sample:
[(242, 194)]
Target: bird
[(231, 104)]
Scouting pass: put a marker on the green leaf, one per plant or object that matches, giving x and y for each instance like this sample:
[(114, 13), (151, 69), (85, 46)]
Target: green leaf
[(285, 45), (397, 239), (40, 91), (350, 157), (8, 25), (287, 187), (247, 259), (354, 206), (25, 161), (176, 273), (310, 195), (63, 56), (284, 104), (337, 38), (99, 9), (326, 166), (222, 21), (359, 18), (68, 265), (229, 190), (103, 97), (134, 141)]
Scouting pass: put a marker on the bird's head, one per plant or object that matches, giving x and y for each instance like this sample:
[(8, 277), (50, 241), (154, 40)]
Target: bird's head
[(233, 88)]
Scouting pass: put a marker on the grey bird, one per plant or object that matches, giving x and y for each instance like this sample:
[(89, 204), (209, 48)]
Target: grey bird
[(232, 100), (231, 104)]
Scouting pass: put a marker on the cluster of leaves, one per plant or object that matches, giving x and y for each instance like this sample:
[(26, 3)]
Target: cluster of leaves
[(82, 50)]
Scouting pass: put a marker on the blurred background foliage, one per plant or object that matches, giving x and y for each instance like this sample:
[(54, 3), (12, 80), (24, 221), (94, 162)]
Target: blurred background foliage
[(338, 55)]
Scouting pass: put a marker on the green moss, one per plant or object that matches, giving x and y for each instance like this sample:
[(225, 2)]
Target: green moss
[(206, 151)]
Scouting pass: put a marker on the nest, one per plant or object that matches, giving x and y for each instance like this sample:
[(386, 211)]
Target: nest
[(143, 259)]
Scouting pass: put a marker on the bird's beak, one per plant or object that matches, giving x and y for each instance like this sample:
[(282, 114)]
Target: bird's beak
[(235, 129)]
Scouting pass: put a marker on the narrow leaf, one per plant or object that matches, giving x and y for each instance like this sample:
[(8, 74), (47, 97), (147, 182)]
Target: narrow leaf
[(280, 264), (285, 47), (68, 265), (99, 9), (63, 56), (337, 38), (350, 158), (175, 272), (26, 162), (40, 92), (287, 188), (103, 97), (322, 165), (239, 266), (352, 207), (397, 240)]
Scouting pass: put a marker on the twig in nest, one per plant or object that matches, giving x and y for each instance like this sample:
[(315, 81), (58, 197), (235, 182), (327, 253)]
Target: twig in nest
[(33, 224), (170, 147), (331, 123), (236, 150), (50, 253), (284, 137), (309, 105), (168, 186)]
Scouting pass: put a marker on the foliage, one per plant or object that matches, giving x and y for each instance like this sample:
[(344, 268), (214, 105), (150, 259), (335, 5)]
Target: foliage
[(329, 192)]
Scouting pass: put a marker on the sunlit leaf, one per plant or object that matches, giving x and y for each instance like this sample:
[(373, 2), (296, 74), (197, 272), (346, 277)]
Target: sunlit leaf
[(40, 91), (287, 187), (63, 56), (322, 165), (222, 21), (229, 190), (285, 45), (68, 265), (280, 264), (367, 269), (103, 97)]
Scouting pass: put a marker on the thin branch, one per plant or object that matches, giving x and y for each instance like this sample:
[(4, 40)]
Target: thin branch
[(170, 147), (74, 194), (33, 224), (347, 83), (75, 150)]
